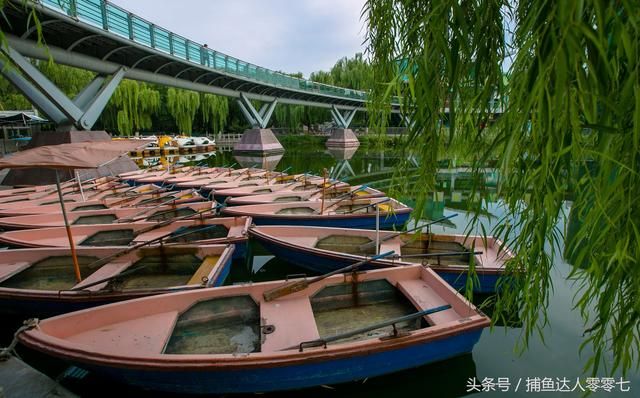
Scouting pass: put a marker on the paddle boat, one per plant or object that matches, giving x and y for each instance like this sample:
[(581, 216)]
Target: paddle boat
[(318, 194), (233, 339), (109, 216), (341, 213), (148, 199), (225, 230), (42, 282), (326, 249)]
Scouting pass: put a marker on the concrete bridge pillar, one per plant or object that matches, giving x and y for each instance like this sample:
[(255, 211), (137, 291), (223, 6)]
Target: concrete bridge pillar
[(342, 136), (259, 139)]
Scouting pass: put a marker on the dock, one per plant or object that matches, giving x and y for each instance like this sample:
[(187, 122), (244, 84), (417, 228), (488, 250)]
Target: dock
[(17, 379)]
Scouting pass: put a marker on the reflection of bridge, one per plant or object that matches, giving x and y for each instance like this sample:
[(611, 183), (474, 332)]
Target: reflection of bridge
[(98, 36)]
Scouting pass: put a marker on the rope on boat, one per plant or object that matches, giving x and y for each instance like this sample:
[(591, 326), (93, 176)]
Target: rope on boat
[(7, 352)]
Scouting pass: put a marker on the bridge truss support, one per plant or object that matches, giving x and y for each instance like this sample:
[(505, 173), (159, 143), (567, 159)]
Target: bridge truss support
[(258, 139), (81, 112), (342, 136)]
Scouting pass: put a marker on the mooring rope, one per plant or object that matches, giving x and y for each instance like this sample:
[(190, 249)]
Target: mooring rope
[(6, 352)]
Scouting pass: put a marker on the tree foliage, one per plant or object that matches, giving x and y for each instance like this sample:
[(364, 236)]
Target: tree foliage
[(183, 105), (572, 118), (215, 111), (131, 108)]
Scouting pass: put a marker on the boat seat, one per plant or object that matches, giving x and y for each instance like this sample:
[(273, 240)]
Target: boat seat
[(293, 320), (208, 264), (489, 258), (106, 271), (9, 270), (389, 245), (424, 298), (236, 230), (150, 235), (138, 336)]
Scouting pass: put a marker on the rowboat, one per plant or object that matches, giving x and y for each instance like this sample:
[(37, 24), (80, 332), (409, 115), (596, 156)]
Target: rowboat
[(232, 340), (257, 181), (208, 231), (106, 216), (351, 213), (149, 199), (326, 249), (132, 178), (91, 192), (305, 196), (295, 186), (41, 282), (52, 188), (194, 173)]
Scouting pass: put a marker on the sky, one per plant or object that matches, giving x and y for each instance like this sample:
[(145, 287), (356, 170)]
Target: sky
[(287, 35)]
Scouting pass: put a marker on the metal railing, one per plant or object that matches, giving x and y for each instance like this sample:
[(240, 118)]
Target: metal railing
[(111, 18)]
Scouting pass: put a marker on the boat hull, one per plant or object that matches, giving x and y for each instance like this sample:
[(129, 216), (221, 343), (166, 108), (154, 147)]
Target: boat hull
[(323, 263), (298, 376), (44, 305)]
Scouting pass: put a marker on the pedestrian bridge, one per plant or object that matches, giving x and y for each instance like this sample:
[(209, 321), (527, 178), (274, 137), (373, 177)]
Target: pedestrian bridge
[(101, 37)]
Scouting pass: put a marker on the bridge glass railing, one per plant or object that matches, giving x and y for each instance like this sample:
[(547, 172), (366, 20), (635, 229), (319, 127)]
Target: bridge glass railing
[(107, 16)]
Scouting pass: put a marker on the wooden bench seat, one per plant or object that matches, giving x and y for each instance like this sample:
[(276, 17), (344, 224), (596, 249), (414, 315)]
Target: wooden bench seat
[(141, 336), (205, 269), (424, 298), (293, 320), (9, 270), (106, 271)]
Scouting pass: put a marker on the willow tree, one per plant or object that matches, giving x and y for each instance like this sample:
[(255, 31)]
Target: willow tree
[(289, 116), (215, 111), (131, 107), (183, 105), (572, 118)]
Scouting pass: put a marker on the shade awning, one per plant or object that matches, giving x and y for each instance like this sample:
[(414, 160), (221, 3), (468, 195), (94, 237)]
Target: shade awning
[(17, 118), (78, 155)]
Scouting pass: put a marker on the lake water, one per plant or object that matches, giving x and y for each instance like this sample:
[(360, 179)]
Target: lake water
[(554, 364)]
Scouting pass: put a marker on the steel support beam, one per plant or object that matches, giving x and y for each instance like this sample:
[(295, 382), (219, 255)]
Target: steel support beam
[(84, 97), (85, 108), (33, 94), (408, 122), (343, 121), (258, 119), (94, 110)]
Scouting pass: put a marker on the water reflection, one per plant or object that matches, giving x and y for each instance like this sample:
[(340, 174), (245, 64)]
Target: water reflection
[(267, 162)]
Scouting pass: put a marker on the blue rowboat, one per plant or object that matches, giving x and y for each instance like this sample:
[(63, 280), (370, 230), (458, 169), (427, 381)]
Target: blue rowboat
[(41, 282), (232, 340), (352, 213), (326, 249)]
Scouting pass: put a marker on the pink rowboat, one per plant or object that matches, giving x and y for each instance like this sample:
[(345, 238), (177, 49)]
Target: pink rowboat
[(49, 199), (41, 282), (52, 188), (91, 192), (306, 196), (327, 249), (208, 231), (249, 182), (193, 173), (141, 200), (352, 213), (295, 186), (231, 340), (108, 216)]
